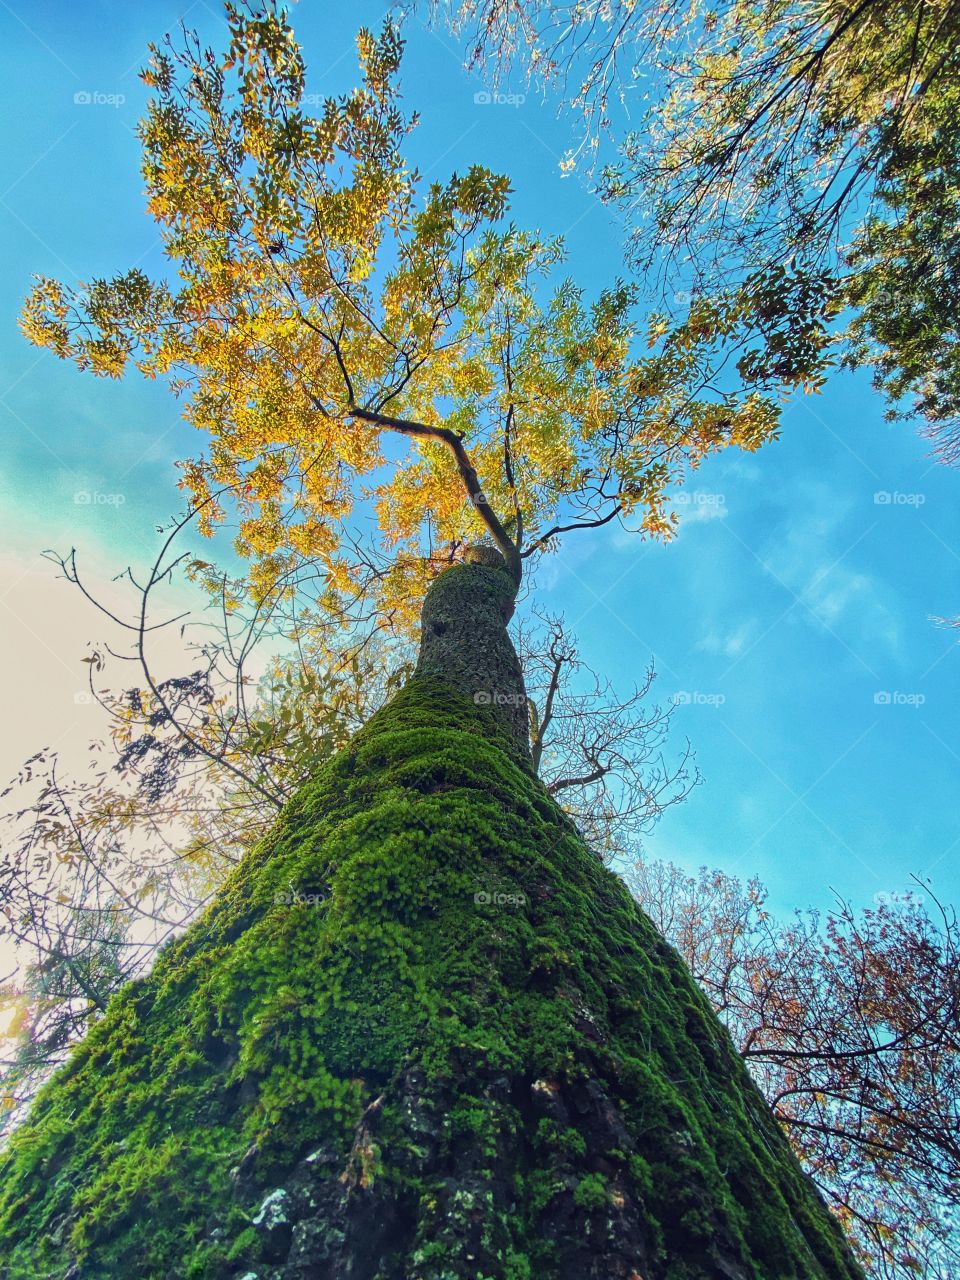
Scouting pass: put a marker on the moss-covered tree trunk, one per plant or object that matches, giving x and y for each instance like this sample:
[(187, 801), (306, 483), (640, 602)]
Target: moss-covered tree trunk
[(422, 1034)]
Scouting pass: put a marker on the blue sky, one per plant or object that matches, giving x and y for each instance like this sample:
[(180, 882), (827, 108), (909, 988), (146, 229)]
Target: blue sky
[(791, 617)]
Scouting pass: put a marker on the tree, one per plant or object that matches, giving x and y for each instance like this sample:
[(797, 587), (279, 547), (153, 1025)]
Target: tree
[(797, 157), (599, 753), (850, 1027), (66, 986), (803, 1004), (421, 1031), (327, 302)]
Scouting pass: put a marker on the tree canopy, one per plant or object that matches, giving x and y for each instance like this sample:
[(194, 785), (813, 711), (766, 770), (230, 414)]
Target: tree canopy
[(328, 299)]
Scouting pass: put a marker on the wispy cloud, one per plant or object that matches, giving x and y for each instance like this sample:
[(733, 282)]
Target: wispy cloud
[(728, 644), (818, 554)]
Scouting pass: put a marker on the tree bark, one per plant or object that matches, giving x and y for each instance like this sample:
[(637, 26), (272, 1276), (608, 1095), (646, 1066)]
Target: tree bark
[(464, 641)]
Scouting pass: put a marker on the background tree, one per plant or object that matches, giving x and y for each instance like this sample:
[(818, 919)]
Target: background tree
[(74, 968), (850, 1024), (600, 754), (801, 158)]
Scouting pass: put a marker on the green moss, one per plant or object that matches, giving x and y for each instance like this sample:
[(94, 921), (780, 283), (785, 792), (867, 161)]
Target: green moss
[(364, 944), (592, 1193), (243, 1243), (516, 1267)]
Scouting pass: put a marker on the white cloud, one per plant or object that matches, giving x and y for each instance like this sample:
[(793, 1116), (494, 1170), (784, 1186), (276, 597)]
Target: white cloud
[(729, 644), (818, 557)]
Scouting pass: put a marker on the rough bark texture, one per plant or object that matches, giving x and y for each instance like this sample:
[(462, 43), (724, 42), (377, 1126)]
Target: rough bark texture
[(422, 1034), (464, 641)]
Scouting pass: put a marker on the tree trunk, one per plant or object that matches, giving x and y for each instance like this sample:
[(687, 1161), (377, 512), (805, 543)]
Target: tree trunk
[(421, 1034)]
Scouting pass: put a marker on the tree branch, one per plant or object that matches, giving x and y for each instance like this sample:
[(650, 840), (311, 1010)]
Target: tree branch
[(505, 544)]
